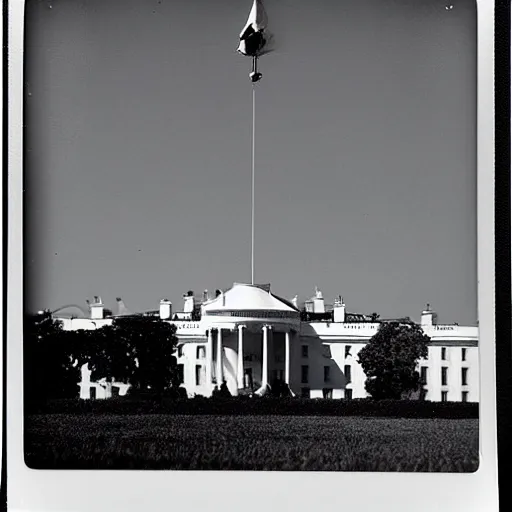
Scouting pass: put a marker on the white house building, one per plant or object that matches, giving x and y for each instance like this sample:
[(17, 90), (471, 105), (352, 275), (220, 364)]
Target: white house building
[(249, 337)]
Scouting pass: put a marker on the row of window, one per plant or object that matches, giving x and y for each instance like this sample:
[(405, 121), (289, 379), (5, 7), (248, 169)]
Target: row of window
[(199, 374), (327, 375), (201, 352), (348, 348), (278, 374), (444, 353), (444, 375), (305, 351), (347, 370)]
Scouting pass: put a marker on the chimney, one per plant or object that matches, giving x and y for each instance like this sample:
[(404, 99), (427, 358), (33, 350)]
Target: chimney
[(189, 304), (318, 302), (97, 308), (339, 310), (217, 293), (165, 309), (122, 310), (428, 317), (205, 296), (309, 306)]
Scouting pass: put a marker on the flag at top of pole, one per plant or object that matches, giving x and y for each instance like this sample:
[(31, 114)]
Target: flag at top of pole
[(254, 37)]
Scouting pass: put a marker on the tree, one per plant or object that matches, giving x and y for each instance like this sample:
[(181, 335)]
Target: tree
[(390, 358), (109, 356), (51, 369), (138, 350)]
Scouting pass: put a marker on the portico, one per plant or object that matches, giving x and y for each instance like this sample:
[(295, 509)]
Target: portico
[(250, 347), (241, 327)]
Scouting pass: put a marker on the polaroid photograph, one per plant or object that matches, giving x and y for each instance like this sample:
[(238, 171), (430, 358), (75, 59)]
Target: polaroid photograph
[(251, 245)]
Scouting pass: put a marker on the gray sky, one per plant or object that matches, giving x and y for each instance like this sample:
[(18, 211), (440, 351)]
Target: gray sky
[(139, 152)]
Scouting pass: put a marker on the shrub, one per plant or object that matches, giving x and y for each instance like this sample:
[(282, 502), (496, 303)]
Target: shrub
[(239, 406)]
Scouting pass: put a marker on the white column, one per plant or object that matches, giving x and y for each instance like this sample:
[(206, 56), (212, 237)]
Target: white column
[(264, 362), (287, 357), (219, 357), (240, 368), (209, 359)]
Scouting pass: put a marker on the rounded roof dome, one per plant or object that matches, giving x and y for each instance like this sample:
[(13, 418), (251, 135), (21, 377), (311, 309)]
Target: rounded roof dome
[(249, 297)]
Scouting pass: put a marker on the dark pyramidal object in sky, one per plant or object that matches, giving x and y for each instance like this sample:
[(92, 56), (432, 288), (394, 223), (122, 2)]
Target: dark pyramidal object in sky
[(254, 38)]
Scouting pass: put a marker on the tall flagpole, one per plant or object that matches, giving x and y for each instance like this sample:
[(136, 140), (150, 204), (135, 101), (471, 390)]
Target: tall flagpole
[(253, 40), (253, 167)]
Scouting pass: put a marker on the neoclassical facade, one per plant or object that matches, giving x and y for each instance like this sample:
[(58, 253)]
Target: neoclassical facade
[(250, 338)]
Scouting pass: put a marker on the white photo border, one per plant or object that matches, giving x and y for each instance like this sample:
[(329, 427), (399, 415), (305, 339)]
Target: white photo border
[(226, 491)]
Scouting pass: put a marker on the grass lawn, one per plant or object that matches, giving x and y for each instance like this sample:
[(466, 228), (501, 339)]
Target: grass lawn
[(286, 443)]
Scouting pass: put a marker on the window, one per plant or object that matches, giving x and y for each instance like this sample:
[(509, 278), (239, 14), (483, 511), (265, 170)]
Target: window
[(443, 353), (327, 392), (347, 350), (464, 396), (92, 392), (327, 373), (305, 393), (115, 390), (444, 396), (464, 353), (444, 376), (305, 374), (348, 394), (201, 352), (464, 375), (181, 373), (198, 375), (348, 374), (423, 375), (305, 351), (180, 350)]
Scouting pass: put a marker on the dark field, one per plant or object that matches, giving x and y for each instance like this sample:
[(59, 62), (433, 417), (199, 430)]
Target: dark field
[(285, 443)]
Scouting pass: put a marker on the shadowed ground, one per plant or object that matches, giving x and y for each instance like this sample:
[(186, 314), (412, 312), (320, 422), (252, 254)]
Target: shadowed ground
[(250, 443)]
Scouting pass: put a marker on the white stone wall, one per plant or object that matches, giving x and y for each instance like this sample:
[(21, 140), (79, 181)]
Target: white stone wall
[(326, 344), (317, 360), (454, 365)]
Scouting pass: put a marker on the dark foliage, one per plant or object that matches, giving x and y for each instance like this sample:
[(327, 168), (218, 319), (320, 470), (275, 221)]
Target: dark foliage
[(390, 358), (138, 350), (51, 369), (244, 405), (280, 389)]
